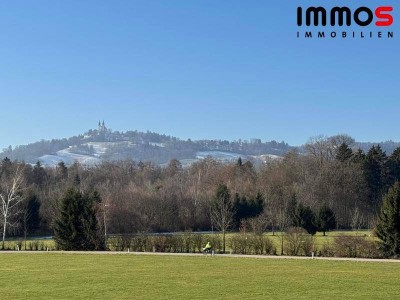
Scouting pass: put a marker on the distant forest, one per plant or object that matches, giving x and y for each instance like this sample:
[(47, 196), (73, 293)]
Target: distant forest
[(138, 197)]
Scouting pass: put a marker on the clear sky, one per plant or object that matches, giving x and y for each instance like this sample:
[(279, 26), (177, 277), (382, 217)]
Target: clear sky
[(193, 69)]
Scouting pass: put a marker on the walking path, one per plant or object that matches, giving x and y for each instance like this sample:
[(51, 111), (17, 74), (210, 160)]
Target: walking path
[(202, 255)]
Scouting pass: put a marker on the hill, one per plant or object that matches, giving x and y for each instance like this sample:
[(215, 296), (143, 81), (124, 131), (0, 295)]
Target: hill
[(102, 143)]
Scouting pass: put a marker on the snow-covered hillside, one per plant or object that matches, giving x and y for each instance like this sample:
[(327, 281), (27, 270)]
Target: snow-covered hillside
[(220, 155), (68, 158), (100, 148), (103, 144), (73, 154)]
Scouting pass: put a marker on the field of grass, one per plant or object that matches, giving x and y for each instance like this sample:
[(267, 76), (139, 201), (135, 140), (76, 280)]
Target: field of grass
[(96, 276)]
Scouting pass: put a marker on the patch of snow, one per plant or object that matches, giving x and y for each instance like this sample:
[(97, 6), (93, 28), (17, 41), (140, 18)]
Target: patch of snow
[(188, 162), (162, 145), (267, 157), (220, 155), (68, 158), (99, 148)]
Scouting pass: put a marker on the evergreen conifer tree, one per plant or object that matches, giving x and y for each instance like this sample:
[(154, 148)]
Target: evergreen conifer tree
[(376, 174), (388, 226), (394, 165), (305, 217), (76, 227), (326, 219), (344, 153), (358, 157)]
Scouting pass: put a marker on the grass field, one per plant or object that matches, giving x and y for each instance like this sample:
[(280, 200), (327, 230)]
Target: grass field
[(94, 276)]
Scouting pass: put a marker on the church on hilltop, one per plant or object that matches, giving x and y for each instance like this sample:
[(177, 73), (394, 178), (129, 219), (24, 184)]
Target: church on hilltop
[(103, 133), (102, 127)]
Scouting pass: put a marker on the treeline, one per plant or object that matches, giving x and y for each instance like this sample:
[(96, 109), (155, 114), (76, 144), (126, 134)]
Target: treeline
[(332, 186)]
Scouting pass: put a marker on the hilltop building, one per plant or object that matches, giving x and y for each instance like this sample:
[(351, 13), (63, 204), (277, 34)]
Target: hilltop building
[(103, 133), (102, 127)]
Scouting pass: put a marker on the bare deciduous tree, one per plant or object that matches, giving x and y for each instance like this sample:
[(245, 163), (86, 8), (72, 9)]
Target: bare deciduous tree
[(222, 211), (10, 197), (324, 149), (319, 147), (356, 220)]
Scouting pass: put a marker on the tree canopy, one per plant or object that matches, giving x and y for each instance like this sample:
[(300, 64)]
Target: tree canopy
[(388, 226), (76, 227)]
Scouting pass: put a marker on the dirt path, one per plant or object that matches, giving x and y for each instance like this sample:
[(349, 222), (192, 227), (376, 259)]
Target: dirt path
[(202, 255)]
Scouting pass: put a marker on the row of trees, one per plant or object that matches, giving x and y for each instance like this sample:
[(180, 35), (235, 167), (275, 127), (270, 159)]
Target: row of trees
[(225, 214), (76, 227), (332, 186)]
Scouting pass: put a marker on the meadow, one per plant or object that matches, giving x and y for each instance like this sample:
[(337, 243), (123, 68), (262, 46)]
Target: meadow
[(128, 276)]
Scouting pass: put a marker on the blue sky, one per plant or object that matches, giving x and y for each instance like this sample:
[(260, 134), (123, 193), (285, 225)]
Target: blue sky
[(192, 69)]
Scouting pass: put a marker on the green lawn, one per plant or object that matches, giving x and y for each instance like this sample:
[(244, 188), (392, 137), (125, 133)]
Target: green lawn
[(93, 276)]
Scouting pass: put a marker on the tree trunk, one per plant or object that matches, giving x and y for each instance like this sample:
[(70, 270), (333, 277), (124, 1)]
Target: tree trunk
[(25, 232), (4, 230), (223, 246)]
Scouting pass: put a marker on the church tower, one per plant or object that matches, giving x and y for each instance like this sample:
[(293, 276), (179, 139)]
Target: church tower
[(102, 127)]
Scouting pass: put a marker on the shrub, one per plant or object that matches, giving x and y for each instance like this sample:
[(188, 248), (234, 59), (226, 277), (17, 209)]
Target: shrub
[(139, 243), (34, 245), (184, 243), (126, 243), (356, 246), (160, 243), (18, 245), (346, 246), (120, 243), (260, 244), (257, 244), (251, 244), (269, 247), (115, 243), (298, 242), (41, 246), (188, 242), (239, 244), (327, 250), (198, 242), (308, 245), (216, 242), (175, 244)]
